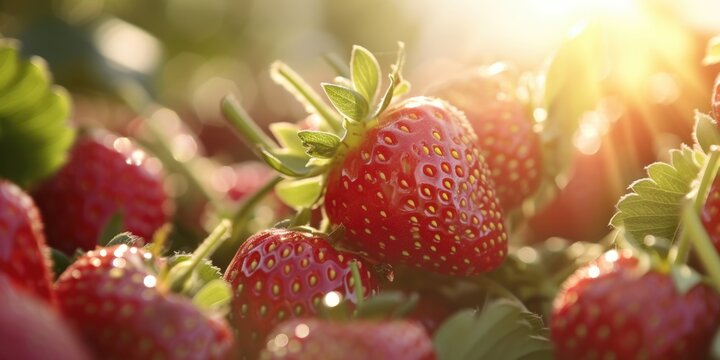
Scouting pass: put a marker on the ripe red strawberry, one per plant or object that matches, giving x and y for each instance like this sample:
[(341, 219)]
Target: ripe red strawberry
[(279, 274), (29, 329), (415, 190), (102, 177), (300, 339), (23, 253), (114, 297), (612, 309), (710, 214), (505, 128)]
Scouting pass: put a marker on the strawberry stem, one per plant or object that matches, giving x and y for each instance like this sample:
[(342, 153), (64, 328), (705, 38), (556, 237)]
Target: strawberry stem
[(295, 84), (245, 125), (206, 248), (239, 218), (698, 198), (358, 288), (142, 103), (702, 244)]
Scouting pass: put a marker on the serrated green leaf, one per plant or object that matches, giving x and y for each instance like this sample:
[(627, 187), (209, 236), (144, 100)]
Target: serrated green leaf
[(654, 205), (364, 72), (286, 135), (203, 274), (125, 238), (348, 102), (299, 193), (113, 227), (712, 53), (287, 163), (214, 296), (35, 135), (319, 143), (502, 330), (706, 131)]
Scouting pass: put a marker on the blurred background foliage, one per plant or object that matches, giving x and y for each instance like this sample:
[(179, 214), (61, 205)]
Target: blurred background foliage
[(188, 54)]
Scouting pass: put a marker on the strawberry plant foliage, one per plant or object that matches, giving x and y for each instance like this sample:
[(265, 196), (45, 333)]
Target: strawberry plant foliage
[(654, 205), (34, 133), (503, 330), (712, 54)]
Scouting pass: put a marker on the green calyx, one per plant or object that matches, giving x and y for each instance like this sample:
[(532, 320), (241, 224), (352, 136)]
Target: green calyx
[(304, 156)]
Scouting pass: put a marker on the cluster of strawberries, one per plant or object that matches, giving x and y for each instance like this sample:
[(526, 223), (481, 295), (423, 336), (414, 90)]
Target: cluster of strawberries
[(400, 206)]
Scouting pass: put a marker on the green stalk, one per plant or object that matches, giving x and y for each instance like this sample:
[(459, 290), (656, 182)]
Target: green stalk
[(358, 290), (142, 103), (206, 248), (702, 244), (292, 82), (245, 125), (241, 215), (707, 175)]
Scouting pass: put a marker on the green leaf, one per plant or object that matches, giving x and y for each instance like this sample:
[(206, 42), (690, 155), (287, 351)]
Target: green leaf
[(125, 238), (502, 330), (113, 226), (388, 304), (214, 296), (287, 135), (572, 86), (401, 89), (365, 72), (319, 143), (654, 205), (685, 278), (712, 54), (299, 193), (35, 135), (203, 274), (287, 163), (60, 261), (396, 81), (347, 101), (706, 131)]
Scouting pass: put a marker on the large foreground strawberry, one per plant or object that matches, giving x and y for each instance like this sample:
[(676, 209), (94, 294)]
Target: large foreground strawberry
[(31, 330), (414, 189), (279, 274), (407, 182), (104, 176), (302, 339), (504, 126), (116, 298), (612, 308), (23, 253)]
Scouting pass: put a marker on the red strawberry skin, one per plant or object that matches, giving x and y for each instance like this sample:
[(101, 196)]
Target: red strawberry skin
[(111, 295), (417, 191), (504, 127), (305, 339), (97, 182), (31, 330), (279, 274), (610, 309), (23, 253)]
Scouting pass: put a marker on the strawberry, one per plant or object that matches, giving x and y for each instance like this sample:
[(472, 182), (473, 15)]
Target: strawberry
[(23, 253), (103, 177), (29, 329), (504, 126), (115, 298), (300, 339), (415, 190), (710, 214), (278, 274), (612, 309)]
